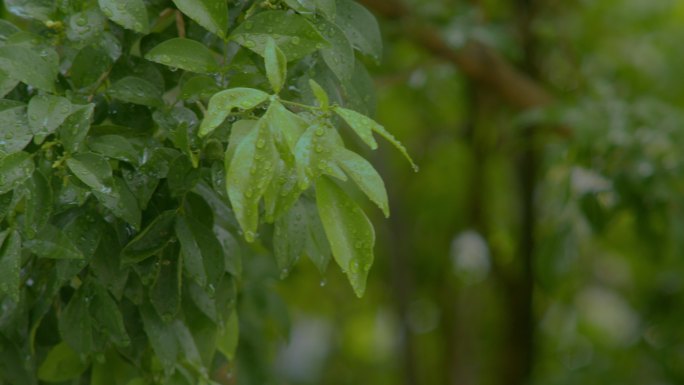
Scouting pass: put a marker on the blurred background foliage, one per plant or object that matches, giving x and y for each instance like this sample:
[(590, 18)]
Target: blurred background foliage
[(541, 242)]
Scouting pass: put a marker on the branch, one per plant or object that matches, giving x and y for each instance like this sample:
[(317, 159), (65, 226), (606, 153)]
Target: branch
[(477, 61)]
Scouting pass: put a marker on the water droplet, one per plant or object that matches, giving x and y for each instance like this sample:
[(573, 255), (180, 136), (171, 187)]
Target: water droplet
[(250, 236), (320, 131), (81, 21), (296, 40), (323, 282), (284, 273), (261, 143), (249, 25), (250, 44)]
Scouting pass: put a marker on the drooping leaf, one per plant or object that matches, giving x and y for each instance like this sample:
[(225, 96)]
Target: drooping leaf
[(221, 105), (360, 26), (349, 231), (151, 240), (61, 364), (107, 316), (10, 264), (276, 65), (364, 127), (365, 176), (295, 36), (28, 66), (249, 174), (130, 14), (14, 170), (186, 54), (210, 14)]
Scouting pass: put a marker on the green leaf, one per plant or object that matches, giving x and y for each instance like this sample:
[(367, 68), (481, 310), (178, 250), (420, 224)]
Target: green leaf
[(365, 176), (52, 243), (14, 129), (200, 87), (276, 65), (75, 322), (75, 128), (28, 66), (339, 56), (249, 175), (135, 90), (186, 54), (107, 316), (202, 253), (320, 94), (300, 232), (364, 127), (38, 203), (161, 335), (228, 337), (61, 364), (210, 14), (93, 170), (7, 84), (46, 113), (314, 153), (360, 26), (221, 105), (121, 201), (114, 147), (14, 170), (361, 124), (130, 14), (349, 231), (286, 125), (32, 9), (165, 293), (327, 7), (10, 264), (295, 36), (151, 240)]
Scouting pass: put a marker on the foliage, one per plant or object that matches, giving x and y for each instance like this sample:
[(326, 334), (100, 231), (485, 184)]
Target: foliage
[(149, 149)]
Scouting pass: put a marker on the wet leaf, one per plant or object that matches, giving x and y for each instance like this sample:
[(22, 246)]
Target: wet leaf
[(365, 176), (249, 175), (186, 54), (130, 14), (151, 240), (276, 65), (364, 128), (28, 66), (10, 264), (222, 103), (295, 36), (93, 170), (51, 242), (349, 231), (210, 14), (14, 170)]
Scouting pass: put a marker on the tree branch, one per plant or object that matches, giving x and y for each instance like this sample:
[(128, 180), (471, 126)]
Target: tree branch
[(477, 61)]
